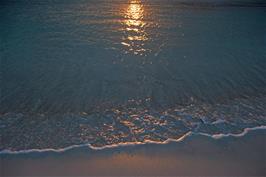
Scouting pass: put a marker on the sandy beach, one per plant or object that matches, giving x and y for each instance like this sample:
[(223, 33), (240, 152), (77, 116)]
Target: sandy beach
[(195, 156)]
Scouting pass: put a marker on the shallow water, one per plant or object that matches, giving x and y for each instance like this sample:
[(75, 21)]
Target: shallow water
[(107, 72)]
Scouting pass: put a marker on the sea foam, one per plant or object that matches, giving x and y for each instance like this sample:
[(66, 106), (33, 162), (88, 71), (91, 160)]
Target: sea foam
[(61, 150)]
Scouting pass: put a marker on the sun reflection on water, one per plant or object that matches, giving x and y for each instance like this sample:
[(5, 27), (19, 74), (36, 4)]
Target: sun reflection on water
[(134, 28)]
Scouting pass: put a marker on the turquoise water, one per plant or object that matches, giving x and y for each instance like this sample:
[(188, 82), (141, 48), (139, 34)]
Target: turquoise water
[(108, 72)]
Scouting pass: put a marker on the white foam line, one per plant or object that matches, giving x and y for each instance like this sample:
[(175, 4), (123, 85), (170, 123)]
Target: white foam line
[(246, 130), (94, 148), (145, 142), (41, 150), (216, 136)]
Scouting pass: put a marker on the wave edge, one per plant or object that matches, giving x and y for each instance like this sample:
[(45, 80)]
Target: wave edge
[(61, 150)]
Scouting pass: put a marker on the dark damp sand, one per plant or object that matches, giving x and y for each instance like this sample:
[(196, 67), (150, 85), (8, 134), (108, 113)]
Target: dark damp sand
[(196, 155)]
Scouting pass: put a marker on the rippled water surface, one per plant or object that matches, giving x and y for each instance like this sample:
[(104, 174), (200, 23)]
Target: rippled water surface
[(116, 71)]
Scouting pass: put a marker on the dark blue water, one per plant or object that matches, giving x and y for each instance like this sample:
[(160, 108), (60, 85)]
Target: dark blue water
[(107, 72)]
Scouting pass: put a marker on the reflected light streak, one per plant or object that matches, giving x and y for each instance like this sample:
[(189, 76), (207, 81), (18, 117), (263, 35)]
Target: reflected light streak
[(134, 26), (134, 15)]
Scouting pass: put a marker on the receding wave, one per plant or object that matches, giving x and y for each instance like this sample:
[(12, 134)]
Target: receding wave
[(128, 125), (218, 136)]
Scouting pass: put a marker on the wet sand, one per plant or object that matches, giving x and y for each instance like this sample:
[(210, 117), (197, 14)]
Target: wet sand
[(197, 155)]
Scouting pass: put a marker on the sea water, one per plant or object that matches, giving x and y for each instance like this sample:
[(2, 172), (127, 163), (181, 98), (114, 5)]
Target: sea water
[(110, 72)]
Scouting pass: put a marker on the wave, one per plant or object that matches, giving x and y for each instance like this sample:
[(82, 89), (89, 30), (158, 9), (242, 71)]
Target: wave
[(127, 125), (246, 130), (188, 134)]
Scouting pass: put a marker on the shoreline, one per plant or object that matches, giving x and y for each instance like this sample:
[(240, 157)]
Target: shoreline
[(196, 155), (62, 150)]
